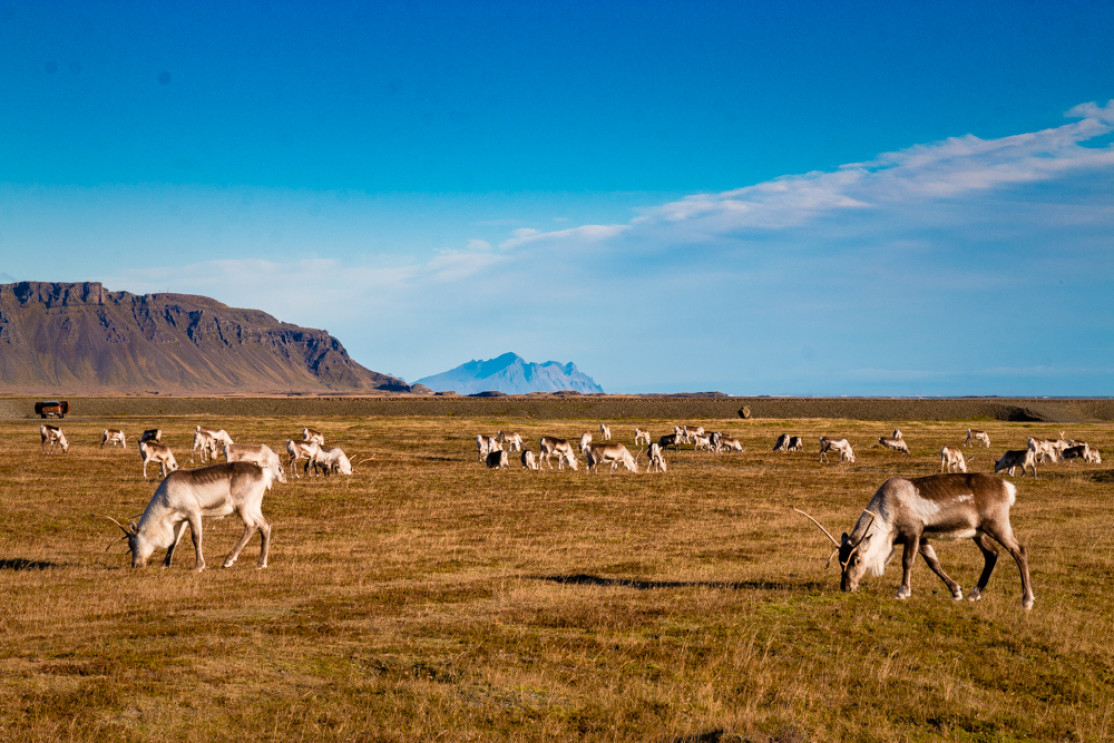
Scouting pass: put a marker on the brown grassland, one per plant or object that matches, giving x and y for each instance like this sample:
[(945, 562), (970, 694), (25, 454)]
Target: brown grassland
[(427, 598)]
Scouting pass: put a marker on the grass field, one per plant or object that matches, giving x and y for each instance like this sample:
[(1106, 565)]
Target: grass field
[(427, 598)]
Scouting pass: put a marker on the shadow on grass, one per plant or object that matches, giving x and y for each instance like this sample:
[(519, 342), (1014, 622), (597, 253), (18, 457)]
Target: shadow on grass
[(583, 579), (19, 564)]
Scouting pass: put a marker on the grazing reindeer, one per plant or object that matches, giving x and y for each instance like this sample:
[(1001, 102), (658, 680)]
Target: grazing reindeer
[(895, 442), (613, 454), (188, 496), (1023, 458), (149, 451), (910, 511), (605, 431), (310, 435), (657, 461), (52, 436), (641, 437), (513, 440), (951, 460), (528, 460), (114, 436), (307, 450), (585, 440), (485, 445), (551, 445), (260, 454), (498, 460), (843, 446), (152, 434), (209, 441), (974, 437)]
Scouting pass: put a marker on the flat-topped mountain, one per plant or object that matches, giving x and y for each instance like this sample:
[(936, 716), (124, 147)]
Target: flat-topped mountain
[(58, 338), (512, 374)]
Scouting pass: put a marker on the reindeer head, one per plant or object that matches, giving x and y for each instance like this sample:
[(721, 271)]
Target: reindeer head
[(141, 549), (854, 555)]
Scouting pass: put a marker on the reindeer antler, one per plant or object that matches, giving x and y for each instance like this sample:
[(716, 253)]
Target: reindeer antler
[(828, 535), (122, 527)]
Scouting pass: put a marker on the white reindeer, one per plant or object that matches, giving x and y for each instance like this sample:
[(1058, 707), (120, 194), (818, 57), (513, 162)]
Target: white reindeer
[(910, 511), (513, 440), (657, 460), (974, 437), (307, 450), (1044, 449), (605, 431), (726, 443), (485, 445), (51, 436), (895, 442), (641, 437), (785, 442), (150, 451), (551, 445), (585, 440), (310, 435), (1023, 458), (332, 460), (260, 454), (209, 441), (528, 460), (843, 446), (187, 497), (613, 454), (114, 436), (951, 460)]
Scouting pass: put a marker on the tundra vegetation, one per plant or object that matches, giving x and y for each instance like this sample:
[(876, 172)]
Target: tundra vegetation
[(428, 597)]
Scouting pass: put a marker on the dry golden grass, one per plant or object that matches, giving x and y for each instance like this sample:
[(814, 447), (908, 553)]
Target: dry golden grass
[(429, 598)]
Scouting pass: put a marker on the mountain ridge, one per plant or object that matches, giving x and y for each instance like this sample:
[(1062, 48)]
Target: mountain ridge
[(74, 338), (511, 374)]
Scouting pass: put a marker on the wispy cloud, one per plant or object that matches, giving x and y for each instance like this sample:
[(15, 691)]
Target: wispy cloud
[(858, 268)]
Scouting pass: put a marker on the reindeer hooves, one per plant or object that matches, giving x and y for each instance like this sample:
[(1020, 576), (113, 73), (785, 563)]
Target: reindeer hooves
[(1027, 603), (957, 594), (903, 593), (975, 595)]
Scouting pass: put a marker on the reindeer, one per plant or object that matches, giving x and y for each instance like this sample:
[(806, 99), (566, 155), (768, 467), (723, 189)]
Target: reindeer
[(150, 451), (333, 460), (1045, 449), (187, 497), (551, 445), (528, 460), (310, 435), (260, 454), (209, 441), (613, 454), (951, 460), (641, 437), (512, 439), (114, 436), (307, 450), (485, 445), (975, 436), (843, 446), (1023, 458), (585, 440), (498, 460), (895, 442), (152, 434), (605, 431), (657, 461), (910, 511), (51, 436)]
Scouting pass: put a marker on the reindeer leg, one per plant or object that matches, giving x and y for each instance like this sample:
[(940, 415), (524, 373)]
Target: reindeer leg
[(179, 531), (195, 532), (990, 559), (249, 530), (908, 557), (1006, 538), (929, 556)]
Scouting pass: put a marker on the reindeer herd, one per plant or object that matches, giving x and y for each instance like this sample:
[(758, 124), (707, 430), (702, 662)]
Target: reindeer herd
[(954, 504), (186, 497)]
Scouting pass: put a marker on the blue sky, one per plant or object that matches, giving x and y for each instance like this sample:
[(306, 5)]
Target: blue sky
[(757, 198)]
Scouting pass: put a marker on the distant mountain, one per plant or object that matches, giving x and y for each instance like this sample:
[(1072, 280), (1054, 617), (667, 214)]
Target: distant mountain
[(65, 339), (511, 374)]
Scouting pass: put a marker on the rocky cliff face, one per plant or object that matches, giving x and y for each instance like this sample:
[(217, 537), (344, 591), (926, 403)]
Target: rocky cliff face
[(81, 338)]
